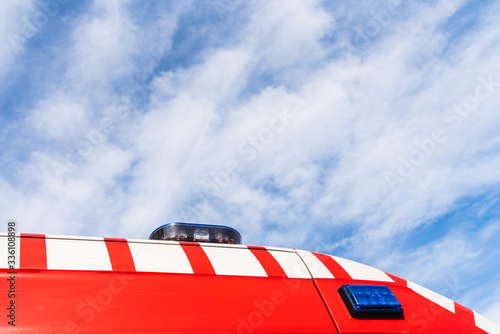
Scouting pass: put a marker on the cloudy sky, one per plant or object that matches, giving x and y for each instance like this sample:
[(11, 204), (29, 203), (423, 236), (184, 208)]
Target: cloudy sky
[(364, 129)]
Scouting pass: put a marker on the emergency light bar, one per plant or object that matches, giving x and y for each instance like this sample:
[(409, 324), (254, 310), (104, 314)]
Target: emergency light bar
[(196, 233), (371, 302)]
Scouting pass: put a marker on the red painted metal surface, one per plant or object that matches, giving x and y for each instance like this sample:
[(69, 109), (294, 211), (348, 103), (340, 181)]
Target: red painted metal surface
[(197, 258), (421, 314), (131, 297), (126, 301), (119, 254), (271, 266), (33, 253), (113, 302)]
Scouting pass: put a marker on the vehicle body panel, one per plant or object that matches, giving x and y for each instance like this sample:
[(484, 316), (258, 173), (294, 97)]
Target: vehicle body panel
[(104, 285)]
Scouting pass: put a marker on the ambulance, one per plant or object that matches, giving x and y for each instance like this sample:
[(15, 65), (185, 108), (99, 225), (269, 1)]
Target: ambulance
[(196, 278)]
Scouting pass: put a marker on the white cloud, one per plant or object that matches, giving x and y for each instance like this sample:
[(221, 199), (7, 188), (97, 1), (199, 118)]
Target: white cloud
[(297, 179), (360, 115), (59, 117), (283, 35), (14, 23), (493, 312)]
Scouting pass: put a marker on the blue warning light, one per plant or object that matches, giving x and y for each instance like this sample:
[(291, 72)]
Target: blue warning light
[(371, 302)]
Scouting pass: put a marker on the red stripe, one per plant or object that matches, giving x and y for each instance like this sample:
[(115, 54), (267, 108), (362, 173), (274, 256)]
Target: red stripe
[(465, 315), (119, 254), (33, 253), (268, 262), (336, 269), (197, 258)]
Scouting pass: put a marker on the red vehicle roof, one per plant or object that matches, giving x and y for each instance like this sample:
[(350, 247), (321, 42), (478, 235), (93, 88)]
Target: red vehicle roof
[(103, 285)]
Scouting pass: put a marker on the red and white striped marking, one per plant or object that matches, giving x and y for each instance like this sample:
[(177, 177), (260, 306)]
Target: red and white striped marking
[(110, 254), (317, 268), (234, 261), (105, 254), (328, 266), (486, 324), (67, 254), (152, 258), (433, 296)]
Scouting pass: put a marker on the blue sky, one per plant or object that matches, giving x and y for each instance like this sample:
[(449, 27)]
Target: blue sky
[(368, 130)]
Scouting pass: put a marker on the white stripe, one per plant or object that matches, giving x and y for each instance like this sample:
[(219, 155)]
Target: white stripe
[(280, 249), (72, 237), (5, 252), (433, 296), (234, 261), (77, 255), (361, 271), (486, 324), (164, 258), (291, 264), (315, 266)]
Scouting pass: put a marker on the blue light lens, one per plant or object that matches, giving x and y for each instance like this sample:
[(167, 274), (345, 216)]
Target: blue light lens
[(371, 301)]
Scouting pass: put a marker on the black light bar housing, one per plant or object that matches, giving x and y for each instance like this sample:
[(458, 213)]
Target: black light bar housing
[(196, 233)]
